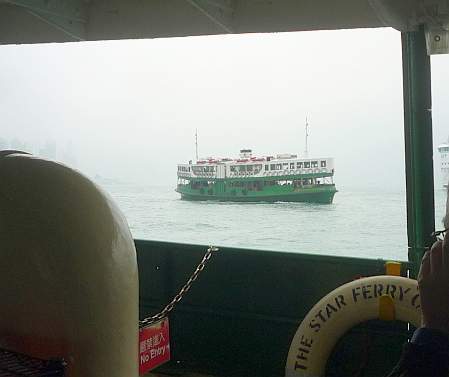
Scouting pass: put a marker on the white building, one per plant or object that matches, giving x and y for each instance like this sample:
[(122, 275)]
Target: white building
[(443, 149)]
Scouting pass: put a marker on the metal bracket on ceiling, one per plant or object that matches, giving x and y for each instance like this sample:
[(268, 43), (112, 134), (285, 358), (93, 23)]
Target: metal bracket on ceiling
[(68, 16), (220, 12), (406, 15)]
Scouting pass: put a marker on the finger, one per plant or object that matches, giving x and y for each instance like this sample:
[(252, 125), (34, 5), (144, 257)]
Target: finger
[(446, 251), (436, 257), (424, 270)]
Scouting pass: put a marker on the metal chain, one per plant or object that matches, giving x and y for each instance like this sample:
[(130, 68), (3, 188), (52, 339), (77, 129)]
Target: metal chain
[(185, 288)]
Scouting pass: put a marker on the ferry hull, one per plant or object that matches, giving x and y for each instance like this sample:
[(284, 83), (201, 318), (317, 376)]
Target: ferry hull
[(322, 195)]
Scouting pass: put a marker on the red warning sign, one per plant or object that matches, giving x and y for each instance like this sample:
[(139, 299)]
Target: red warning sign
[(154, 345)]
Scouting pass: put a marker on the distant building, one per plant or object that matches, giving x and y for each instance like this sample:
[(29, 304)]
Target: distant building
[(443, 149), (18, 144), (48, 151), (3, 144)]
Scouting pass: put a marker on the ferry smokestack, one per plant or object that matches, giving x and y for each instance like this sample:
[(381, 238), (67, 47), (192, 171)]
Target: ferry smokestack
[(246, 153)]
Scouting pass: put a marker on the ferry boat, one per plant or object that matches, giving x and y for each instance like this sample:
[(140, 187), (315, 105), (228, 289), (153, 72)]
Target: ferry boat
[(280, 178), (443, 149)]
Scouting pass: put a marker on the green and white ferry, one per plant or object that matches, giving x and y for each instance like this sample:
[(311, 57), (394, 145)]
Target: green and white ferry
[(283, 177)]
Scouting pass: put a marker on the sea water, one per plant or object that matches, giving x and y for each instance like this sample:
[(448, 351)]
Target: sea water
[(368, 223)]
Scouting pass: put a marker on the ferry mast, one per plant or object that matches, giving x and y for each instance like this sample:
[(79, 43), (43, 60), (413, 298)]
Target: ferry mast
[(196, 143), (306, 152)]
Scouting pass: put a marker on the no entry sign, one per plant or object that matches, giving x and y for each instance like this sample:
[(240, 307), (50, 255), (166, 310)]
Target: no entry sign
[(154, 345)]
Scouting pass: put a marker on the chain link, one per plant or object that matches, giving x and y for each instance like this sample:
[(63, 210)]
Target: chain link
[(185, 288)]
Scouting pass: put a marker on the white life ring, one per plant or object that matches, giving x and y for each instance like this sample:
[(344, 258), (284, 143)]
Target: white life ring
[(340, 310)]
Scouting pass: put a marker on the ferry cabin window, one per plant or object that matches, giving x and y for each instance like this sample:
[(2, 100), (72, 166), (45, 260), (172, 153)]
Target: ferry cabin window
[(278, 166), (233, 169), (307, 164), (249, 168), (323, 164), (266, 167), (314, 164), (273, 166), (197, 169), (292, 165), (299, 165)]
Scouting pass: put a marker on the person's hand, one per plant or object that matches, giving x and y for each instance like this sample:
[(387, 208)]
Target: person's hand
[(433, 282)]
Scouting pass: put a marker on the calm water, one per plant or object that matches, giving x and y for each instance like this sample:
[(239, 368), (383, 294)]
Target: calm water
[(359, 223)]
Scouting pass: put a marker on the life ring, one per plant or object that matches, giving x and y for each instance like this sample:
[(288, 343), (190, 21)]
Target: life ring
[(340, 310)]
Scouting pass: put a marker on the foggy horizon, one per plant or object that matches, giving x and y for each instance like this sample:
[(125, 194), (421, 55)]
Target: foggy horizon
[(128, 110)]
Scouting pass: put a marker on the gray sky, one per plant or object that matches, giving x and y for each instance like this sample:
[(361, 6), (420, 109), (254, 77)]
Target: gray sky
[(129, 109)]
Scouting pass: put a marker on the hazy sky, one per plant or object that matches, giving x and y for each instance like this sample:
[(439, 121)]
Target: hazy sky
[(129, 109)]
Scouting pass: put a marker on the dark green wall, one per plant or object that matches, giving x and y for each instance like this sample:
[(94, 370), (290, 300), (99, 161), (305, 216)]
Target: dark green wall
[(242, 312)]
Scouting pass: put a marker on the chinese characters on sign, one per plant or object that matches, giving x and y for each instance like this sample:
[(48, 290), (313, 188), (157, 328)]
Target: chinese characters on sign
[(154, 345)]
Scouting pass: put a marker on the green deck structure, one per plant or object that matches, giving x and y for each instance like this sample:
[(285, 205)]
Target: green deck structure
[(287, 188), (241, 314)]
